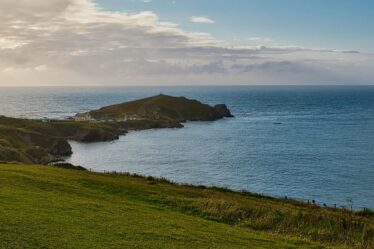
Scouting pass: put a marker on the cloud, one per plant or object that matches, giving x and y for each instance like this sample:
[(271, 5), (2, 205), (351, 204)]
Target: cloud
[(67, 42), (259, 39), (201, 19)]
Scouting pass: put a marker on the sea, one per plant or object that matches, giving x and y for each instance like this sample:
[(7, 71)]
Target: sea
[(301, 142)]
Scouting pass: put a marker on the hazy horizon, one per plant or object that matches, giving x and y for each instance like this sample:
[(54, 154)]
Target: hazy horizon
[(186, 85)]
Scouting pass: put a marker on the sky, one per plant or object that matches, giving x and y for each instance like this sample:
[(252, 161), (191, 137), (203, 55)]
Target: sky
[(186, 42)]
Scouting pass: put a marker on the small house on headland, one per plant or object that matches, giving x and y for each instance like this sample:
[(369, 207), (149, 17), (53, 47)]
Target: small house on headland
[(46, 120), (131, 117), (81, 117)]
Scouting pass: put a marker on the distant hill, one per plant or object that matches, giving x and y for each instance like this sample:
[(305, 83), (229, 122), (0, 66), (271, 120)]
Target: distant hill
[(160, 107)]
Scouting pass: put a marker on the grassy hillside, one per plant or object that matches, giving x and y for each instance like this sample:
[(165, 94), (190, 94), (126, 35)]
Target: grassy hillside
[(45, 207), (162, 107), (35, 141)]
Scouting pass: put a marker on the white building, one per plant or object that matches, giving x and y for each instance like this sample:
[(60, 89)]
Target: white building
[(131, 117), (80, 117)]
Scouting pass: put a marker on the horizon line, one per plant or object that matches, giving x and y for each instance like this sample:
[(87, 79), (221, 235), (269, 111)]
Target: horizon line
[(185, 85)]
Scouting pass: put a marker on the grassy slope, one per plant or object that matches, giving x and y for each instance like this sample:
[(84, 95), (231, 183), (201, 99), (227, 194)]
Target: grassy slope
[(63, 128), (29, 141), (44, 207), (167, 107), (34, 141)]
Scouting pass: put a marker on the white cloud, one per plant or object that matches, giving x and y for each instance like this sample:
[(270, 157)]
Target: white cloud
[(259, 39), (201, 19), (41, 68), (143, 1), (76, 42)]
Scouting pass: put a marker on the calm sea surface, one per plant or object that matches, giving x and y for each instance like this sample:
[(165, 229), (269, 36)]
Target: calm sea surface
[(301, 142)]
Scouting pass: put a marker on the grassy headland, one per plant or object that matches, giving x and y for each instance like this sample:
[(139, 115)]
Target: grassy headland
[(46, 207), (43, 141), (162, 107)]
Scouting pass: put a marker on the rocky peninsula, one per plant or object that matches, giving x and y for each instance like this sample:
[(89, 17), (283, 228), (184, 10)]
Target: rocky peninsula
[(45, 141), (157, 108)]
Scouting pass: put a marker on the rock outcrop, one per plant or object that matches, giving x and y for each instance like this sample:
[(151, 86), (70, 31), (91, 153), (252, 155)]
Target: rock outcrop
[(222, 111)]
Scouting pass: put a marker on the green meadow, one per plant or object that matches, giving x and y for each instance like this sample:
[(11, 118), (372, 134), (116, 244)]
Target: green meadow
[(48, 207)]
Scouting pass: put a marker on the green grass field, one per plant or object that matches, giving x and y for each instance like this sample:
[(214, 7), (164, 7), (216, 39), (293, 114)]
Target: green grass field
[(46, 207)]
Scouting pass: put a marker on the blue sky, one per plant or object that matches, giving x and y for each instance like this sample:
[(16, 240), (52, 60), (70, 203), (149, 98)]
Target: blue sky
[(340, 24)]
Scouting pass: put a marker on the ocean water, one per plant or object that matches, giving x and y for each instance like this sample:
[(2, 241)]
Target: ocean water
[(301, 142)]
